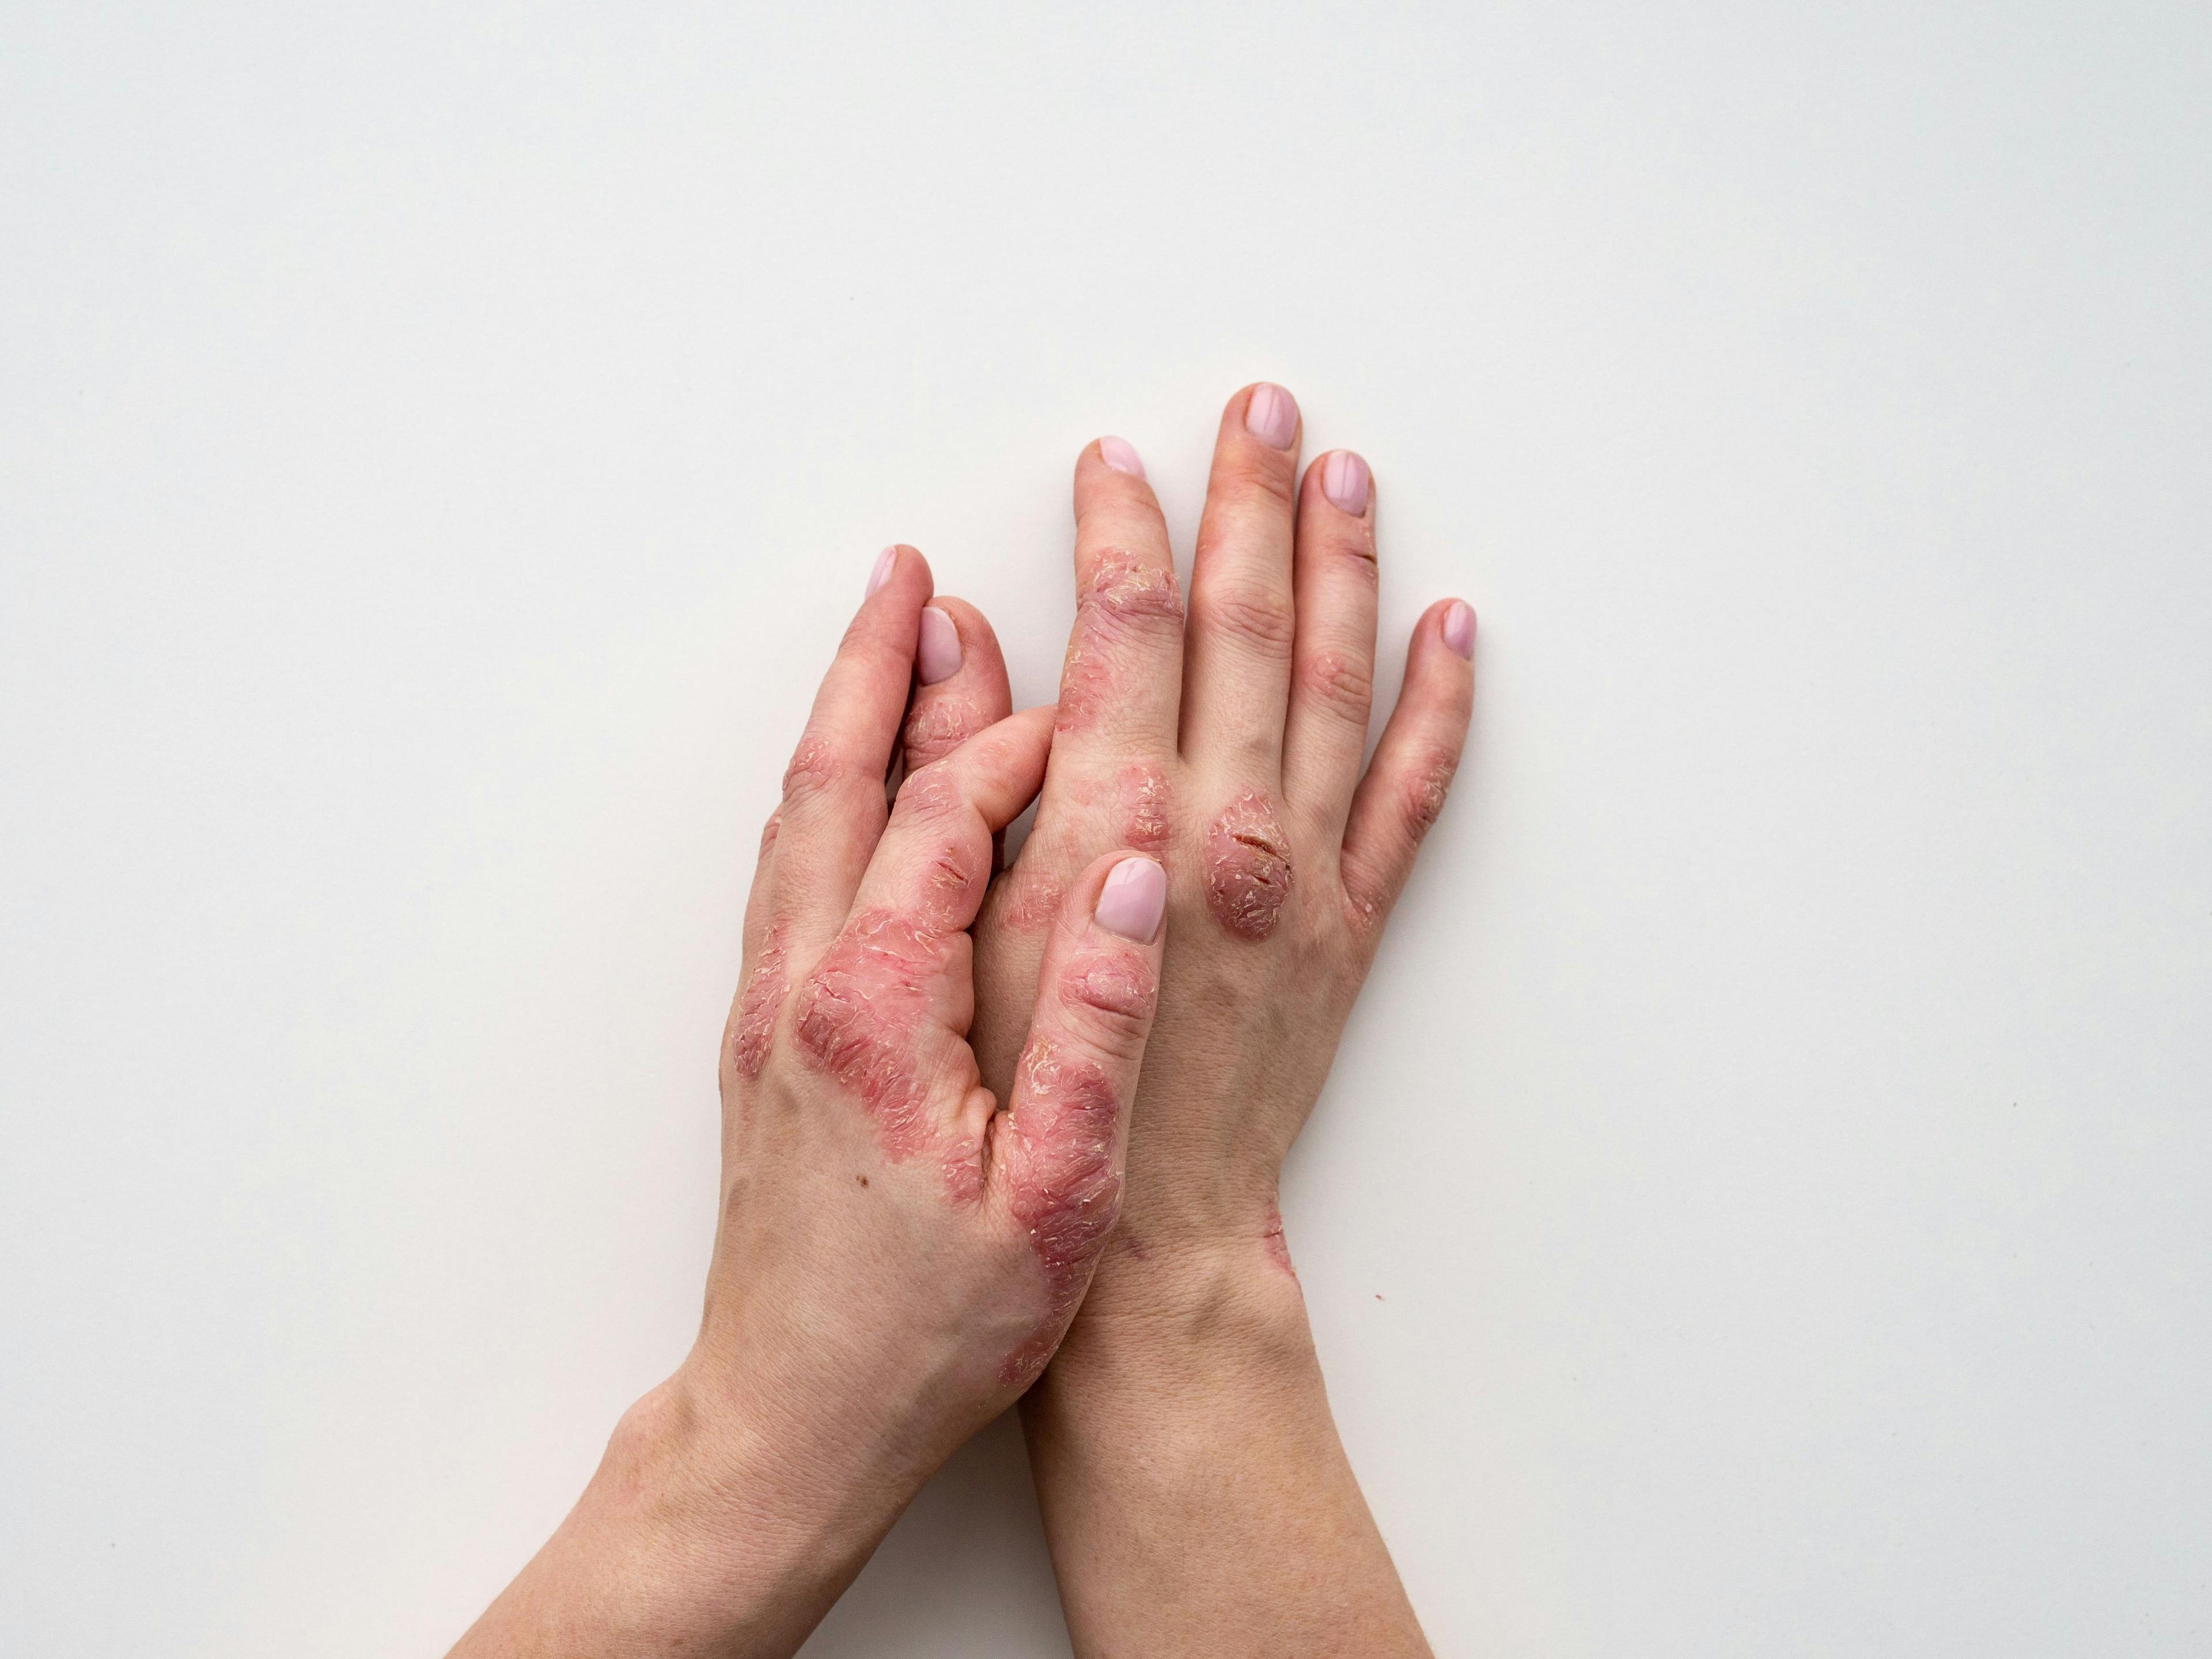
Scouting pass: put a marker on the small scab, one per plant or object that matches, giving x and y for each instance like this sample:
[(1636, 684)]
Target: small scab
[(1248, 867), (1271, 1241)]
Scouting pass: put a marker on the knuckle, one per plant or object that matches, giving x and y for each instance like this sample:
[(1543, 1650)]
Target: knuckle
[(1248, 867), (1426, 785), (938, 725), (815, 769), (1112, 993), (1340, 683), (1265, 476), (930, 795), (1125, 588), (1263, 621)]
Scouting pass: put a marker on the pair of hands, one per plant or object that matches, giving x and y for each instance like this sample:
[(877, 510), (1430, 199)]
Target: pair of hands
[(932, 1065)]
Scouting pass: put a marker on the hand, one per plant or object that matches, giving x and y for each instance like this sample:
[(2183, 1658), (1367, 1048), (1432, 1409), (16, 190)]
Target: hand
[(1195, 1494), (1231, 749), (895, 1258)]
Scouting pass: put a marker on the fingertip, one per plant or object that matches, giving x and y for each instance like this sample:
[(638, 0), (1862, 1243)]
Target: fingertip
[(1121, 455), (1346, 481), (900, 567), (937, 654), (1133, 898), (1456, 628)]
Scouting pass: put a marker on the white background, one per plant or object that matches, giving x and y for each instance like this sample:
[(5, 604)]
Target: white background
[(1764, 1202)]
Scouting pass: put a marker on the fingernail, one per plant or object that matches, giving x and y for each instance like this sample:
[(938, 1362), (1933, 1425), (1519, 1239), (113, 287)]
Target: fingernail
[(1271, 414), (1459, 628), (936, 655), (1134, 899), (885, 560), (1122, 455), (1343, 481)]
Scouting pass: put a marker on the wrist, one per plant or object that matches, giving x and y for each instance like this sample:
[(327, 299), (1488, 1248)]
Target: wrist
[(700, 1531), (1193, 1314)]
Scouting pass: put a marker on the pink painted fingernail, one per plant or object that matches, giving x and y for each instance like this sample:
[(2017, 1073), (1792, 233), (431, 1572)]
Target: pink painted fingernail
[(936, 655), (1459, 628), (1271, 414), (1343, 481), (1134, 899), (886, 562), (1122, 455)]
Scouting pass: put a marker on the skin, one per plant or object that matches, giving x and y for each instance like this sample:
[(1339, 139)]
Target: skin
[(1195, 1494), (897, 1257)]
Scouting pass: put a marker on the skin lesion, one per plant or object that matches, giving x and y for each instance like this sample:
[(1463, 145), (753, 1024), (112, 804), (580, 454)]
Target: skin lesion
[(859, 1015), (1142, 795), (1248, 867), (1124, 591), (1062, 1187), (758, 1005)]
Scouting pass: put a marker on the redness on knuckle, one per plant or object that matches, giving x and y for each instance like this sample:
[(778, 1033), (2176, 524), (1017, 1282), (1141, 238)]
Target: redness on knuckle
[(860, 1017), (769, 830), (1125, 587), (938, 725), (1426, 786), (1064, 1190), (1116, 987), (1339, 681), (758, 1005), (815, 768), (931, 793), (1248, 867), (1125, 595)]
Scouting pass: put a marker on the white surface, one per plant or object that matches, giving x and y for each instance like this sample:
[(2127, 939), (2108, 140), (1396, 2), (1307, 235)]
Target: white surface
[(1762, 1204)]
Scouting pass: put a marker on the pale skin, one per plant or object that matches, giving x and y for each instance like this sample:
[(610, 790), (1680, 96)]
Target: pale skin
[(1152, 992)]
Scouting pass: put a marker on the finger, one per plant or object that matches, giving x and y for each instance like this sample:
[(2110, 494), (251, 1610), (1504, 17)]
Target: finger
[(832, 793), (1236, 651), (933, 860), (960, 682), (1056, 1156), (1333, 678), (1406, 784), (1121, 683)]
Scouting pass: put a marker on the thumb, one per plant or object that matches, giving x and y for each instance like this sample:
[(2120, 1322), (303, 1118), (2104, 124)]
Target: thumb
[(1056, 1157)]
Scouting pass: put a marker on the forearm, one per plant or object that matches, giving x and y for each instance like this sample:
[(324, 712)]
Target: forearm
[(696, 1536), (1195, 1494)]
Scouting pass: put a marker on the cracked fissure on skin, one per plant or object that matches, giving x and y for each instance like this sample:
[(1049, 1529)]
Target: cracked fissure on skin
[(1124, 591), (1271, 1241), (1056, 1150), (759, 1005), (861, 1010), (1248, 867)]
